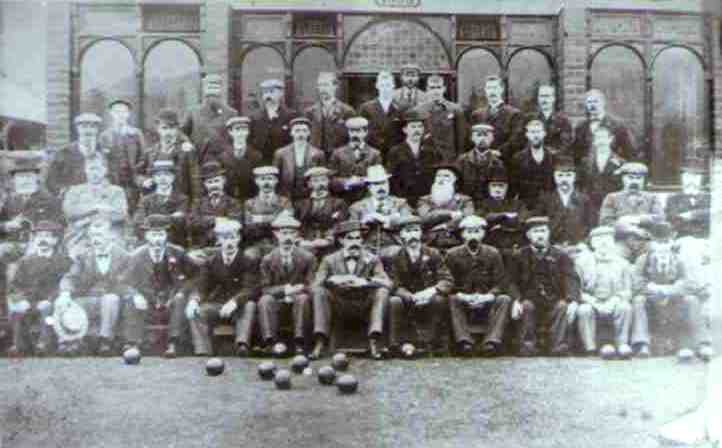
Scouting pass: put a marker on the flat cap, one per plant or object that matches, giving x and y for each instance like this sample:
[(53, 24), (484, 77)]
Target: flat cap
[(212, 169), (317, 171), (472, 221), (213, 77), (47, 226), (125, 101), (633, 168), (410, 67), (265, 171), (285, 221), (563, 163), (601, 231), (345, 227), (87, 117), (535, 221), (410, 221), (272, 84), (482, 127), (415, 115), (26, 164), (376, 173), (299, 120), (244, 121), (162, 166), (225, 225), (167, 116), (356, 123), (156, 222), (661, 230)]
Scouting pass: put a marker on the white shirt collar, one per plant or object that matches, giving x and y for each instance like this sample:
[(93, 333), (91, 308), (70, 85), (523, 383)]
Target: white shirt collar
[(386, 104), (538, 154)]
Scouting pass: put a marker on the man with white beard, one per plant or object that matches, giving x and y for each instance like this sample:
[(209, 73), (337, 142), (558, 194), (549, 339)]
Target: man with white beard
[(443, 209)]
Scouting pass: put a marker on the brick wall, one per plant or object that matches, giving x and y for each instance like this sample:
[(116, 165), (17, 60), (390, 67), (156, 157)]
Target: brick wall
[(573, 58), (215, 40), (58, 73)]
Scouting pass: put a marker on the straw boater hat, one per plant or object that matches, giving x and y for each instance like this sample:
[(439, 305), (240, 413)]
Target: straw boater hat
[(317, 171), (376, 173), (70, 323), (272, 84), (633, 168), (156, 222), (162, 166), (265, 171), (125, 101), (224, 226)]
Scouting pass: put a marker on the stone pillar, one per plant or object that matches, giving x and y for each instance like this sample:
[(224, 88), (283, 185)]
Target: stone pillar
[(716, 168), (215, 41), (572, 63), (58, 72)]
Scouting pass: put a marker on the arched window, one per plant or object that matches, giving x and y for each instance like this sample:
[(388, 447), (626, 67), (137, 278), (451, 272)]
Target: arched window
[(527, 70), (680, 117), (259, 64), (474, 66), (172, 79), (619, 72), (107, 71), (306, 67)]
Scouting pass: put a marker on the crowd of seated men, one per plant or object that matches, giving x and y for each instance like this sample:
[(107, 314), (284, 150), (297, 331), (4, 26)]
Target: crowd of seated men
[(408, 217)]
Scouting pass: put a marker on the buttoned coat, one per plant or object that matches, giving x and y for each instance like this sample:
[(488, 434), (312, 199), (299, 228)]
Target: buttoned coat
[(569, 224), (439, 229), (38, 278), (344, 165), (320, 222), (275, 276), (384, 130), (329, 132), (560, 279), (67, 168), (155, 204), (508, 124), (291, 181), (412, 175), (418, 97), (598, 184), (219, 283), (622, 143), (239, 171), (203, 217), (203, 122), (530, 179), (482, 273), (85, 279), (187, 176), (267, 135), (475, 169), (380, 236), (158, 283), (369, 267), (429, 270), (447, 125)]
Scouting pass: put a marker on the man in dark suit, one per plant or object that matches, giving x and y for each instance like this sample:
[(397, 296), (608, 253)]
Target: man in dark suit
[(409, 95), (383, 115), (532, 170), (320, 213), (157, 280), (557, 126), (226, 292), (421, 286), (507, 120), (207, 120), (286, 278), (476, 163), (480, 282), (445, 120), (543, 283), (34, 288), (350, 283), (215, 204), (295, 159), (689, 210), (270, 125), (349, 162), (328, 116), (411, 164), (597, 116)]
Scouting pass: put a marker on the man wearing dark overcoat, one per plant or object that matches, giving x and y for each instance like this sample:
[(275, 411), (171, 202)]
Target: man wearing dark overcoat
[(383, 115), (409, 95), (532, 170), (328, 116), (292, 161), (445, 121), (557, 127), (216, 203), (689, 210), (476, 163), (270, 124)]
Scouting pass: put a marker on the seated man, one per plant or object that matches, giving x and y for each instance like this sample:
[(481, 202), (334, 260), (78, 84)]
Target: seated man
[(606, 293), (543, 283), (215, 204), (632, 204), (479, 278), (165, 200), (632, 241), (34, 288), (226, 292), (320, 213), (158, 278), (350, 282), (421, 286), (93, 282), (689, 210), (286, 277), (443, 209)]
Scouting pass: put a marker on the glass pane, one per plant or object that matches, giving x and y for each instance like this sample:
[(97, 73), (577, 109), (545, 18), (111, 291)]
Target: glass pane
[(308, 64), (617, 71), (259, 64), (527, 70), (475, 65), (172, 79), (107, 72), (680, 106)]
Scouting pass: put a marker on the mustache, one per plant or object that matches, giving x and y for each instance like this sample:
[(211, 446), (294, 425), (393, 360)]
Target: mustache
[(355, 246), (356, 139), (413, 240)]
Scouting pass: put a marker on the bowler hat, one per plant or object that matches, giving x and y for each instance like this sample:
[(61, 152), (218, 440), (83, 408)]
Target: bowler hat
[(356, 123), (317, 171), (120, 101), (271, 84), (299, 120), (70, 322), (497, 173), (265, 171), (345, 227), (156, 222), (212, 169), (415, 115), (450, 166), (285, 221), (410, 67), (167, 116)]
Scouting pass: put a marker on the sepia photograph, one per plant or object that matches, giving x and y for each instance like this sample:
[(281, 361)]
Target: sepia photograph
[(360, 223)]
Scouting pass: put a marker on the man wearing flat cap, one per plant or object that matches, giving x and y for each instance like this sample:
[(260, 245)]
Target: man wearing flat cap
[(34, 288), (215, 204), (479, 284), (226, 291), (412, 162), (632, 204), (206, 121), (445, 120), (295, 159), (328, 115), (320, 212), (689, 210), (383, 115), (532, 169), (286, 277), (260, 211), (542, 283), (270, 128), (349, 162), (157, 281), (442, 210), (632, 240), (476, 162), (172, 146), (380, 211), (409, 95), (350, 284), (422, 284)]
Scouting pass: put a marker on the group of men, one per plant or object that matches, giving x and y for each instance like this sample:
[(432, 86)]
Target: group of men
[(409, 216)]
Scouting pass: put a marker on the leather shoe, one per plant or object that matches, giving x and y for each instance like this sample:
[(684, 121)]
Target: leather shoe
[(242, 350), (318, 349), (490, 350), (374, 351), (170, 352), (527, 351), (643, 351), (466, 349)]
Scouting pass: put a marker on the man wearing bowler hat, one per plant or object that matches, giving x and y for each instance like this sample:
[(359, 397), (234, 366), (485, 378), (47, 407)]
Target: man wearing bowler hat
[(328, 115), (542, 283), (409, 95), (270, 128), (350, 283), (226, 291), (215, 204), (349, 162), (34, 288), (292, 161), (286, 277)]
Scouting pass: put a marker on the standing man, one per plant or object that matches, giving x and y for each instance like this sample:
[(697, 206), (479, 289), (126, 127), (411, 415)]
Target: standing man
[(557, 126), (409, 95), (206, 121), (480, 282), (383, 115), (596, 106), (532, 170), (286, 277), (543, 283), (294, 160), (215, 204), (446, 122), (350, 283), (476, 163), (632, 204), (270, 124), (350, 162), (599, 170), (328, 115), (238, 158)]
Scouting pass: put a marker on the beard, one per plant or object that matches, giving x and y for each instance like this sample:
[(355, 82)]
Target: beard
[(564, 187), (473, 244), (442, 193)]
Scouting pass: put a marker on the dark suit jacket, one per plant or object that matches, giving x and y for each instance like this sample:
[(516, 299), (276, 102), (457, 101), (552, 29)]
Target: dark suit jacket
[(447, 125), (433, 215), (554, 274), (202, 123), (412, 177), (508, 125), (320, 223), (37, 278), (559, 132), (597, 185), (568, 224), (218, 283), (291, 181), (84, 278), (153, 204), (274, 276), (344, 164), (41, 205), (257, 217), (622, 144), (67, 168), (698, 225), (528, 178), (504, 233), (268, 135), (428, 270), (204, 216), (475, 168), (124, 151), (328, 133), (157, 284), (369, 266), (187, 176), (239, 172), (384, 128), (483, 273)]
